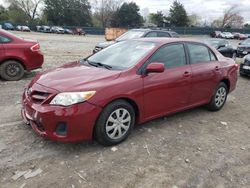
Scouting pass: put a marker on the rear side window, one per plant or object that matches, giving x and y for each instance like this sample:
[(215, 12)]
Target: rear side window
[(163, 34), (151, 34), (199, 53), (4, 39), (171, 56)]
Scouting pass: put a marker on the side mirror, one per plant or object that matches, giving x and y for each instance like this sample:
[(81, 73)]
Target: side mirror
[(155, 68), (221, 46)]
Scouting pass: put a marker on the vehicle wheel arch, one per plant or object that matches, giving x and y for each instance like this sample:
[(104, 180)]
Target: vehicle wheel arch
[(14, 59), (126, 99), (131, 102), (227, 82)]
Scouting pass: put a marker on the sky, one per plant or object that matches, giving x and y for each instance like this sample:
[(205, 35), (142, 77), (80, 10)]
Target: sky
[(207, 9)]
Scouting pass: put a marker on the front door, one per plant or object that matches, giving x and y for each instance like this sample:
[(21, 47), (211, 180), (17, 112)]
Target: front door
[(168, 91)]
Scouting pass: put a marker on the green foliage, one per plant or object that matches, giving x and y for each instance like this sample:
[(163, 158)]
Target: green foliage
[(68, 12), (178, 15), (127, 16), (3, 14), (157, 18)]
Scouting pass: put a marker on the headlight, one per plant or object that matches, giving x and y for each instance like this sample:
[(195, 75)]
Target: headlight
[(70, 98)]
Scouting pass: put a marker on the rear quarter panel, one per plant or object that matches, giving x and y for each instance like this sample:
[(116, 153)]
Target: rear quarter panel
[(229, 71)]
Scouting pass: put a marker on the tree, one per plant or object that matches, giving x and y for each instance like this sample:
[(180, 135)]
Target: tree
[(68, 12), (104, 10), (232, 18), (3, 14), (178, 15), (127, 16), (194, 20), (29, 7), (157, 18)]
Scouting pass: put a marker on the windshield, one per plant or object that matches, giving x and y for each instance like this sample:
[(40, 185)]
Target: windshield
[(123, 55), (246, 42), (132, 34)]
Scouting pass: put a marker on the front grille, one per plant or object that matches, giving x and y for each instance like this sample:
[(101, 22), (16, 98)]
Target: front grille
[(244, 48), (241, 48), (97, 49), (247, 62), (37, 96)]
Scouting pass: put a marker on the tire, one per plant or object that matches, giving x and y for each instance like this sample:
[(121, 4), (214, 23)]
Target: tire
[(219, 98), (11, 70), (107, 127)]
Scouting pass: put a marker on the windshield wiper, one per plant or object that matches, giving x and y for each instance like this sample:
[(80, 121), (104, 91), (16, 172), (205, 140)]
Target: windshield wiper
[(98, 64)]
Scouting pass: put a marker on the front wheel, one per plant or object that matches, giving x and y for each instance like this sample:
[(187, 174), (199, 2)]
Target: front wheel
[(219, 98), (115, 123), (11, 70)]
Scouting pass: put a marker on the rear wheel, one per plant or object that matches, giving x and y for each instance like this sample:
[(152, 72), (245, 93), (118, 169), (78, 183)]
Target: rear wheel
[(219, 98), (11, 70), (115, 123)]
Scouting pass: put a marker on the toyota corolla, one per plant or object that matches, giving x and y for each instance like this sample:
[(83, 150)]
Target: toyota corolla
[(131, 82)]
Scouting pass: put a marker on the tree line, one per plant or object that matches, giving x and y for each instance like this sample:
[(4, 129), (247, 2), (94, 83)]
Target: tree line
[(103, 13)]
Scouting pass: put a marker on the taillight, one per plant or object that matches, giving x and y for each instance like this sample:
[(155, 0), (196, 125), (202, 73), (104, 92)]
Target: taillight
[(236, 66), (35, 47)]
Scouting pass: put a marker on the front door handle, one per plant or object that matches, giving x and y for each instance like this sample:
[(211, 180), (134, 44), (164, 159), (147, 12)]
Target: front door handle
[(187, 74)]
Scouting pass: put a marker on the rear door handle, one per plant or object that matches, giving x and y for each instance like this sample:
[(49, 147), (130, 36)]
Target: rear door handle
[(217, 68), (187, 74)]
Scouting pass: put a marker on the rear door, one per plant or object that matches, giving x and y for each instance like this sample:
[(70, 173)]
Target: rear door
[(206, 72), (168, 91)]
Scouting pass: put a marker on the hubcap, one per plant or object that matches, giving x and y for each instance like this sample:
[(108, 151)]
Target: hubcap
[(12, 70), (220, 96), (118, 123)]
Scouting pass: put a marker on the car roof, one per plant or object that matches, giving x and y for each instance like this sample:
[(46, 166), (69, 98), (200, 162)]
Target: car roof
[(166, 40), (152, 29)]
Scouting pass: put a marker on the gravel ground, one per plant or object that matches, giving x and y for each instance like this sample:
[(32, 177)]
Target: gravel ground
[(195, 148)]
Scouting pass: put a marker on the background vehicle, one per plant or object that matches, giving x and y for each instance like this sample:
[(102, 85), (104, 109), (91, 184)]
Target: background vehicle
[(150, 78), (23, 28), (68, 31), (137, 33), (240, 36), (223, 46), (79, 31), (227, 35), (45, 29), (18, 55), (243, 48), (58, 30), (19, 28), (245, 66), (215, 34), (8, 26)]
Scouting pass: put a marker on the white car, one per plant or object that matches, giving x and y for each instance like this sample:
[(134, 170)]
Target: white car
[(227, 35)]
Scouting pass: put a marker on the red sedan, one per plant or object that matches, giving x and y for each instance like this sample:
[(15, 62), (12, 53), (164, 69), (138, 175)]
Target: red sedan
[(128, 83), (18, 55)]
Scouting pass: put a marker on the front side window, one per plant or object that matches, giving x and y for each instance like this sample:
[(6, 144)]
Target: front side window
[(4, 39), (171, 56), (198, 53), (152, 34)]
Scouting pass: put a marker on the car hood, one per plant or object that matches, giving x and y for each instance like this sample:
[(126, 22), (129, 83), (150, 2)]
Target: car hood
[(76, 77), (105, 44)]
